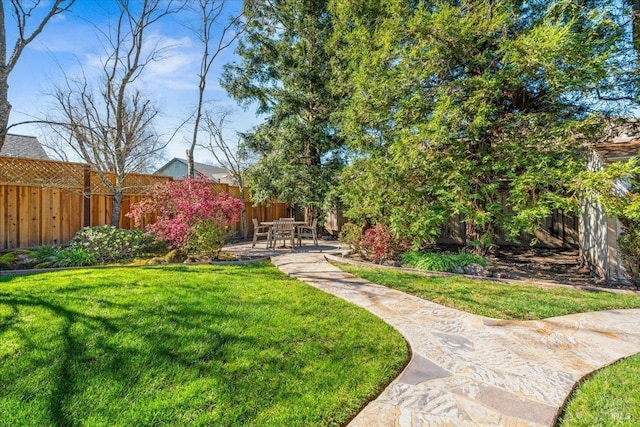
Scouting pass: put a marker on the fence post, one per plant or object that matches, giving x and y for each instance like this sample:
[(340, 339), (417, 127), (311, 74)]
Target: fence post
[(86, 193)]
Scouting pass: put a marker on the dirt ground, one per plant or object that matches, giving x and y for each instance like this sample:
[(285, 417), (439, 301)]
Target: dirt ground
[(557, 265)]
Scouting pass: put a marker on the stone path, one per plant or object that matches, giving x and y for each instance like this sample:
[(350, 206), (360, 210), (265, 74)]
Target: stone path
[(468, 370)]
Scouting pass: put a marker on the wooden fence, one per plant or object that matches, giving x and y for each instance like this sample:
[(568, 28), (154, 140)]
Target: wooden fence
[(45, 202), (560, 230)]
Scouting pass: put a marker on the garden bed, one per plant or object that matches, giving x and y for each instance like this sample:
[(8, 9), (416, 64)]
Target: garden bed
[(549, 265)]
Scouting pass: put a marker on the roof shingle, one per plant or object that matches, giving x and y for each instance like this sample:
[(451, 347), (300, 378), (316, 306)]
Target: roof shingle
[(23, 146)]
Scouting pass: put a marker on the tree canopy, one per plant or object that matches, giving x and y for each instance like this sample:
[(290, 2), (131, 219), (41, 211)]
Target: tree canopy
[(468, 108), (284, 68)]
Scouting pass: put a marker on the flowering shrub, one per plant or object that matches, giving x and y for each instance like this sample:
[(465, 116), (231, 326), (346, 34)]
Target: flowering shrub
[(180, 205), (381, 244), (106, 243)]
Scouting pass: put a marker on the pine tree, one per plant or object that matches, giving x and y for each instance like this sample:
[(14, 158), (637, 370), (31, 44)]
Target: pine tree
[(285, 70)]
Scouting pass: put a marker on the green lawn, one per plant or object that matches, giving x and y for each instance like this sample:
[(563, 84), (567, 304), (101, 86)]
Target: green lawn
[(611, 397), (495, 299), (186, 346)]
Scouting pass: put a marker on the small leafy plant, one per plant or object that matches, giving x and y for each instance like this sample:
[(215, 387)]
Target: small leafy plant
[(54, 256), (351, 234), (435, 261), (74, 257)]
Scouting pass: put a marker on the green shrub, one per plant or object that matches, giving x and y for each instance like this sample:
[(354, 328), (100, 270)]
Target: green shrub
[(351, 234), (208, 238), (108, 244), (435, 261)]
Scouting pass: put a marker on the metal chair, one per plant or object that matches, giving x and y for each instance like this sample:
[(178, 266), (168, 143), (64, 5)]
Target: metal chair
[(308, 231), (260, 231)]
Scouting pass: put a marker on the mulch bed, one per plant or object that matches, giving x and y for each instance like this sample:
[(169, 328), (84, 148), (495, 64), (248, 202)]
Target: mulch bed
[(557, 265), (561, 266)]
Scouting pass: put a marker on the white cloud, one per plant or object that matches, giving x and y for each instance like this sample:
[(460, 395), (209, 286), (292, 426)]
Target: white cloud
[(177, 66)]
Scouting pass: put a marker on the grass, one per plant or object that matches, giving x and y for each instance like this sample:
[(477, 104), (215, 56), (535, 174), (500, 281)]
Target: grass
[(494, 299), (186, 346), (611, 397)]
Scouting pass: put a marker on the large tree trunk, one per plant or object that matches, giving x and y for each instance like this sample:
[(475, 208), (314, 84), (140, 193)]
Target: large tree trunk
[(311, 213), (196, 127), (5, 107), (118, 197), (190, 164), (478, 238)]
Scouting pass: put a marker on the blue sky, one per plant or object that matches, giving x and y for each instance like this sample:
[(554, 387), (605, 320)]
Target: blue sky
[(70, 45)]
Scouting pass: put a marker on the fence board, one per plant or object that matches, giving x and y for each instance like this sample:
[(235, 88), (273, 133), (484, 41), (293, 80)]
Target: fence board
[(76, 213), (42, 202), (55, 216), (34, 216), (3, 217), (12, 217), (45, 213), (23, 212)]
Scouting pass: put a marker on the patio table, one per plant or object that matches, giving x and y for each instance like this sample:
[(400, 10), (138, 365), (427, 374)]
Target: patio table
[(270, 224)]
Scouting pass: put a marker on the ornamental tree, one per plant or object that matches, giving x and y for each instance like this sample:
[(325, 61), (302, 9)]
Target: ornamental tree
[(182, 207)]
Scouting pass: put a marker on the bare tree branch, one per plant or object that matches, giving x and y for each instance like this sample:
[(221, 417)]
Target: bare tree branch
[(112, 126), (213, 43), (22, 12)]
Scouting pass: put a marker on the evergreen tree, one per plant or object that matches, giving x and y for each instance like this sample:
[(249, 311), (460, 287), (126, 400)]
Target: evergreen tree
[(470, 108), (285, 69)]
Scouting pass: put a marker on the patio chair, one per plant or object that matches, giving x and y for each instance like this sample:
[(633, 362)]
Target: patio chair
[(260, 231), (282, 230), (308, 231)]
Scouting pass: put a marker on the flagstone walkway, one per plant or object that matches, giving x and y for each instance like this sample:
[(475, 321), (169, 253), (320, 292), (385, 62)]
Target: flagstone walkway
[(469, 370)]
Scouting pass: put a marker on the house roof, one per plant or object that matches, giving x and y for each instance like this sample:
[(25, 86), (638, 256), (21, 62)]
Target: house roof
[(619, 149), (216, 173), (23, 146)]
